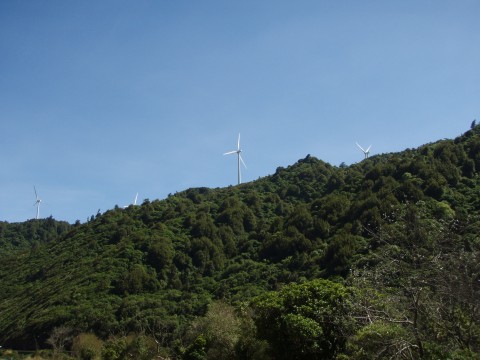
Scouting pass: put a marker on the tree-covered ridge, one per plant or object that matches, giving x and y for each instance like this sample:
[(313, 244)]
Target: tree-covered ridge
[(30, 233), (397, 234)]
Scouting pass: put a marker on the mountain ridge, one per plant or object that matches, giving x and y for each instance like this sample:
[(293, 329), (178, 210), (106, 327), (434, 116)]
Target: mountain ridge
[(164, 263)]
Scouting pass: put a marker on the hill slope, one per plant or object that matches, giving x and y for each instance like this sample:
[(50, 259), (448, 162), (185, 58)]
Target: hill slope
[(398, 231)]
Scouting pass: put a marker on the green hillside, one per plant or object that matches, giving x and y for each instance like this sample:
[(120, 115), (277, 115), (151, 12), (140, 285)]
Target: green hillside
[(377, 260), (30, 233)]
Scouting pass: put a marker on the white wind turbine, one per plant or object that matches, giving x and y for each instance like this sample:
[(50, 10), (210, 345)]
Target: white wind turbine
[(37, 202), (134, 202), (239, 159), (365, 151)]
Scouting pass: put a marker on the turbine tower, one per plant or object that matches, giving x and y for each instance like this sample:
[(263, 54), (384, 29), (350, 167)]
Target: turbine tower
[(366, 152), (37, 202), (239, 159)]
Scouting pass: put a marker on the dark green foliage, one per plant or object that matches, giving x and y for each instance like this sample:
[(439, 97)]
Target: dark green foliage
[(400, 229), (197, 351), (30, 234), (304, 321), (340, 252)]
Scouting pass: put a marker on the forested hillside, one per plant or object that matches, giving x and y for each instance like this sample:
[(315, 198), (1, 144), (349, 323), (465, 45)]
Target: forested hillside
[(30, 233), (377, 260)]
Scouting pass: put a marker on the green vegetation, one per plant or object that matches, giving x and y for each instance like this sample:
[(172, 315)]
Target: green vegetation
[(377, 260)]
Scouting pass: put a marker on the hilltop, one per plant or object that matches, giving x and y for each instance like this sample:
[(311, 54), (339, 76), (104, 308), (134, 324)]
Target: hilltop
[(374, 260)]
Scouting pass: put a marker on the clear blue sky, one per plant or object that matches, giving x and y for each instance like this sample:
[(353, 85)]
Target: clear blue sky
[(100, 100)]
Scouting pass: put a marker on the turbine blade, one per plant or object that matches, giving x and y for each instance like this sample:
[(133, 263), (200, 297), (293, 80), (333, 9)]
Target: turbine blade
[(238, 144), (35, 189), (230, 152), (136, 197), (368, 149), (240, 156), (360, 147)]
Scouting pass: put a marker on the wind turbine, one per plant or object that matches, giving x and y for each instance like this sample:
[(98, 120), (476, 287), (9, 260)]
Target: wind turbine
[(239, 159), (366, 152), (37, 202), (134, 202)]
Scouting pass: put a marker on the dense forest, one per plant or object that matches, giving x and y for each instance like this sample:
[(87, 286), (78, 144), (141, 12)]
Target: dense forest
[(376, 260)]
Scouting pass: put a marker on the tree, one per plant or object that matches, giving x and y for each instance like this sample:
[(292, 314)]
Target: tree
[(421, 299), (87, 346), (59, 338), (221, 330), (196, 351), (304, 321)]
